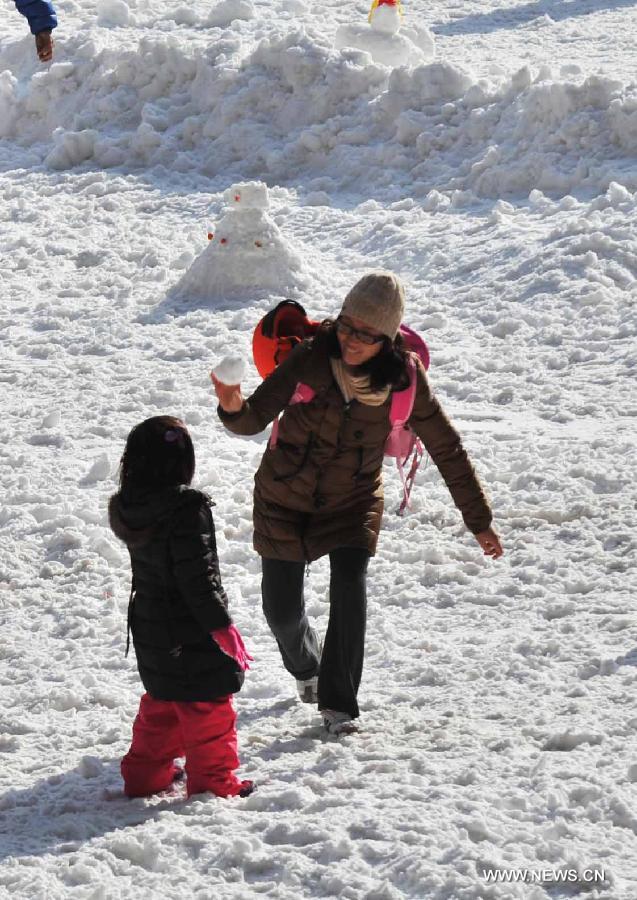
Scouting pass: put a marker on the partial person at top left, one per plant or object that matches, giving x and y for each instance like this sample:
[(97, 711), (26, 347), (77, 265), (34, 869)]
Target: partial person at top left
[(42, 20)]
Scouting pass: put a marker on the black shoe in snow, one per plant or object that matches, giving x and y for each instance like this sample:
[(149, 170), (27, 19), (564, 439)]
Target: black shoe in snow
[(247, 787), (307, 689), (338, 722)]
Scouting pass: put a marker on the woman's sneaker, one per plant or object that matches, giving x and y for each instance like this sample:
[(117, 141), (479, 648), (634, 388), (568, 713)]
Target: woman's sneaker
[(308, 689), (338, 722)]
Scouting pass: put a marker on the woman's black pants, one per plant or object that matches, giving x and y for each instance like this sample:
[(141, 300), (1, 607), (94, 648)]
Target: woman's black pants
[(341, 663)]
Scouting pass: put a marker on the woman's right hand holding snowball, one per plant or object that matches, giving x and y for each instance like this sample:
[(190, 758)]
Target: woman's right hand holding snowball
[(229, 395)]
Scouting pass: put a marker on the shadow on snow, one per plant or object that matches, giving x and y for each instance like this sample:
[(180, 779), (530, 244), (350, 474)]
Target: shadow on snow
[(513, 17)]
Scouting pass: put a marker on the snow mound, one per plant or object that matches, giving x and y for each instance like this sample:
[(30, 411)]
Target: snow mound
[(385, 45), (306, 109)]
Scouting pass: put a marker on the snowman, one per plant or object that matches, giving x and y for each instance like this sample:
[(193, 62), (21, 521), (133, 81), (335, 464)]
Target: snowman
[(384, 38), (246, 252)]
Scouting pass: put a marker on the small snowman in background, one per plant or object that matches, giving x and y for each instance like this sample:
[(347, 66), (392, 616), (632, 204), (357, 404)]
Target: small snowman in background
[(386, 15), (246, 226), (247, 251), (380, 37)]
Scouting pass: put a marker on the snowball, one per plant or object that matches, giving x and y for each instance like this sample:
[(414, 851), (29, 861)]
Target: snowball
[(183, 260), (224, 13), (90, 766), (100, 470), (294, 6), (112, 12), (64, 700), (185, 16), (106, 549), (617, 194), (231, 370), (52, 420), (61, 70)]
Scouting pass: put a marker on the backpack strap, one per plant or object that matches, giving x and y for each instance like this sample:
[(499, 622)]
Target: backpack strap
[(303, 393), (408, 481), (402, 405), (402, 402)]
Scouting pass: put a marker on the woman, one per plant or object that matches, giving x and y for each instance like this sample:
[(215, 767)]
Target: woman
[(320, 491)]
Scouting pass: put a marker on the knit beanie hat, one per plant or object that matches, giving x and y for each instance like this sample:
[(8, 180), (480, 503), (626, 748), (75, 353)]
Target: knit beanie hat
[(378, 299)]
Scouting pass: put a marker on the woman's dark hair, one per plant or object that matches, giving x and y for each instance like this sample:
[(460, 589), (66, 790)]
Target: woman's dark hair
[(158, 453), (387, 368)]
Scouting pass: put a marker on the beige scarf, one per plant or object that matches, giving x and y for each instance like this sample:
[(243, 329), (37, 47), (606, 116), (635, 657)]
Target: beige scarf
[(356, 387)]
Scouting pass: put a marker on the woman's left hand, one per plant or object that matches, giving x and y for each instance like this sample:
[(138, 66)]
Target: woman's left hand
[(490, 543)]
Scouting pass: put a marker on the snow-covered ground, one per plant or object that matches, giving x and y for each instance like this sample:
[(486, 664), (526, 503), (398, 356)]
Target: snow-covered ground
[(500, 181)]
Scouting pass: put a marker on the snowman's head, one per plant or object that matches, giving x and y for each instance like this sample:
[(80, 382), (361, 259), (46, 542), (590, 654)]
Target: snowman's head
[(248, 195), (385, 15)]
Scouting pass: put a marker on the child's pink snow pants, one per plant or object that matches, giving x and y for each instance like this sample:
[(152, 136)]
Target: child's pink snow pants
[(204, 733)]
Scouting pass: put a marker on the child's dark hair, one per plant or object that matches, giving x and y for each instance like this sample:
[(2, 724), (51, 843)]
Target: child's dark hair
[(387, 368), (158, 453)]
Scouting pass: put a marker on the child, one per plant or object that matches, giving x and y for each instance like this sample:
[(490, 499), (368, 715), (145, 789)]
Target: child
[(190, 656)]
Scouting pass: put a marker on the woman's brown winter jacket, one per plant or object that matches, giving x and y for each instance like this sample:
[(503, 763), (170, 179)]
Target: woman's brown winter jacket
[(321, 487)]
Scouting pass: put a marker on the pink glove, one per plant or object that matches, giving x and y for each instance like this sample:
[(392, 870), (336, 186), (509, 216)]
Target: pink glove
[(231, 643)]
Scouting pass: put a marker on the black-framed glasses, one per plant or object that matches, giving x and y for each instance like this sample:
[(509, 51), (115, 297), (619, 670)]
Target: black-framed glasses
[(363, 336)]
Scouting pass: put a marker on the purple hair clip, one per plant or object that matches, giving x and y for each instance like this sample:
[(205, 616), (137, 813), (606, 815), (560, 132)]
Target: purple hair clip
[(172, 435)]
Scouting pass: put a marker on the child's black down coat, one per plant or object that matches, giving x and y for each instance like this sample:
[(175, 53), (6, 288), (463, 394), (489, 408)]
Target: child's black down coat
[(178, 598)]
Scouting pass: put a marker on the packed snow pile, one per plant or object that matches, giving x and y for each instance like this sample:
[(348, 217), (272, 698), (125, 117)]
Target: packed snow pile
[(247, 251), (305, 109)]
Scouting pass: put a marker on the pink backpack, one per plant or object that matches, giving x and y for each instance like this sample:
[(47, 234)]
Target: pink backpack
[(402, 442)]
